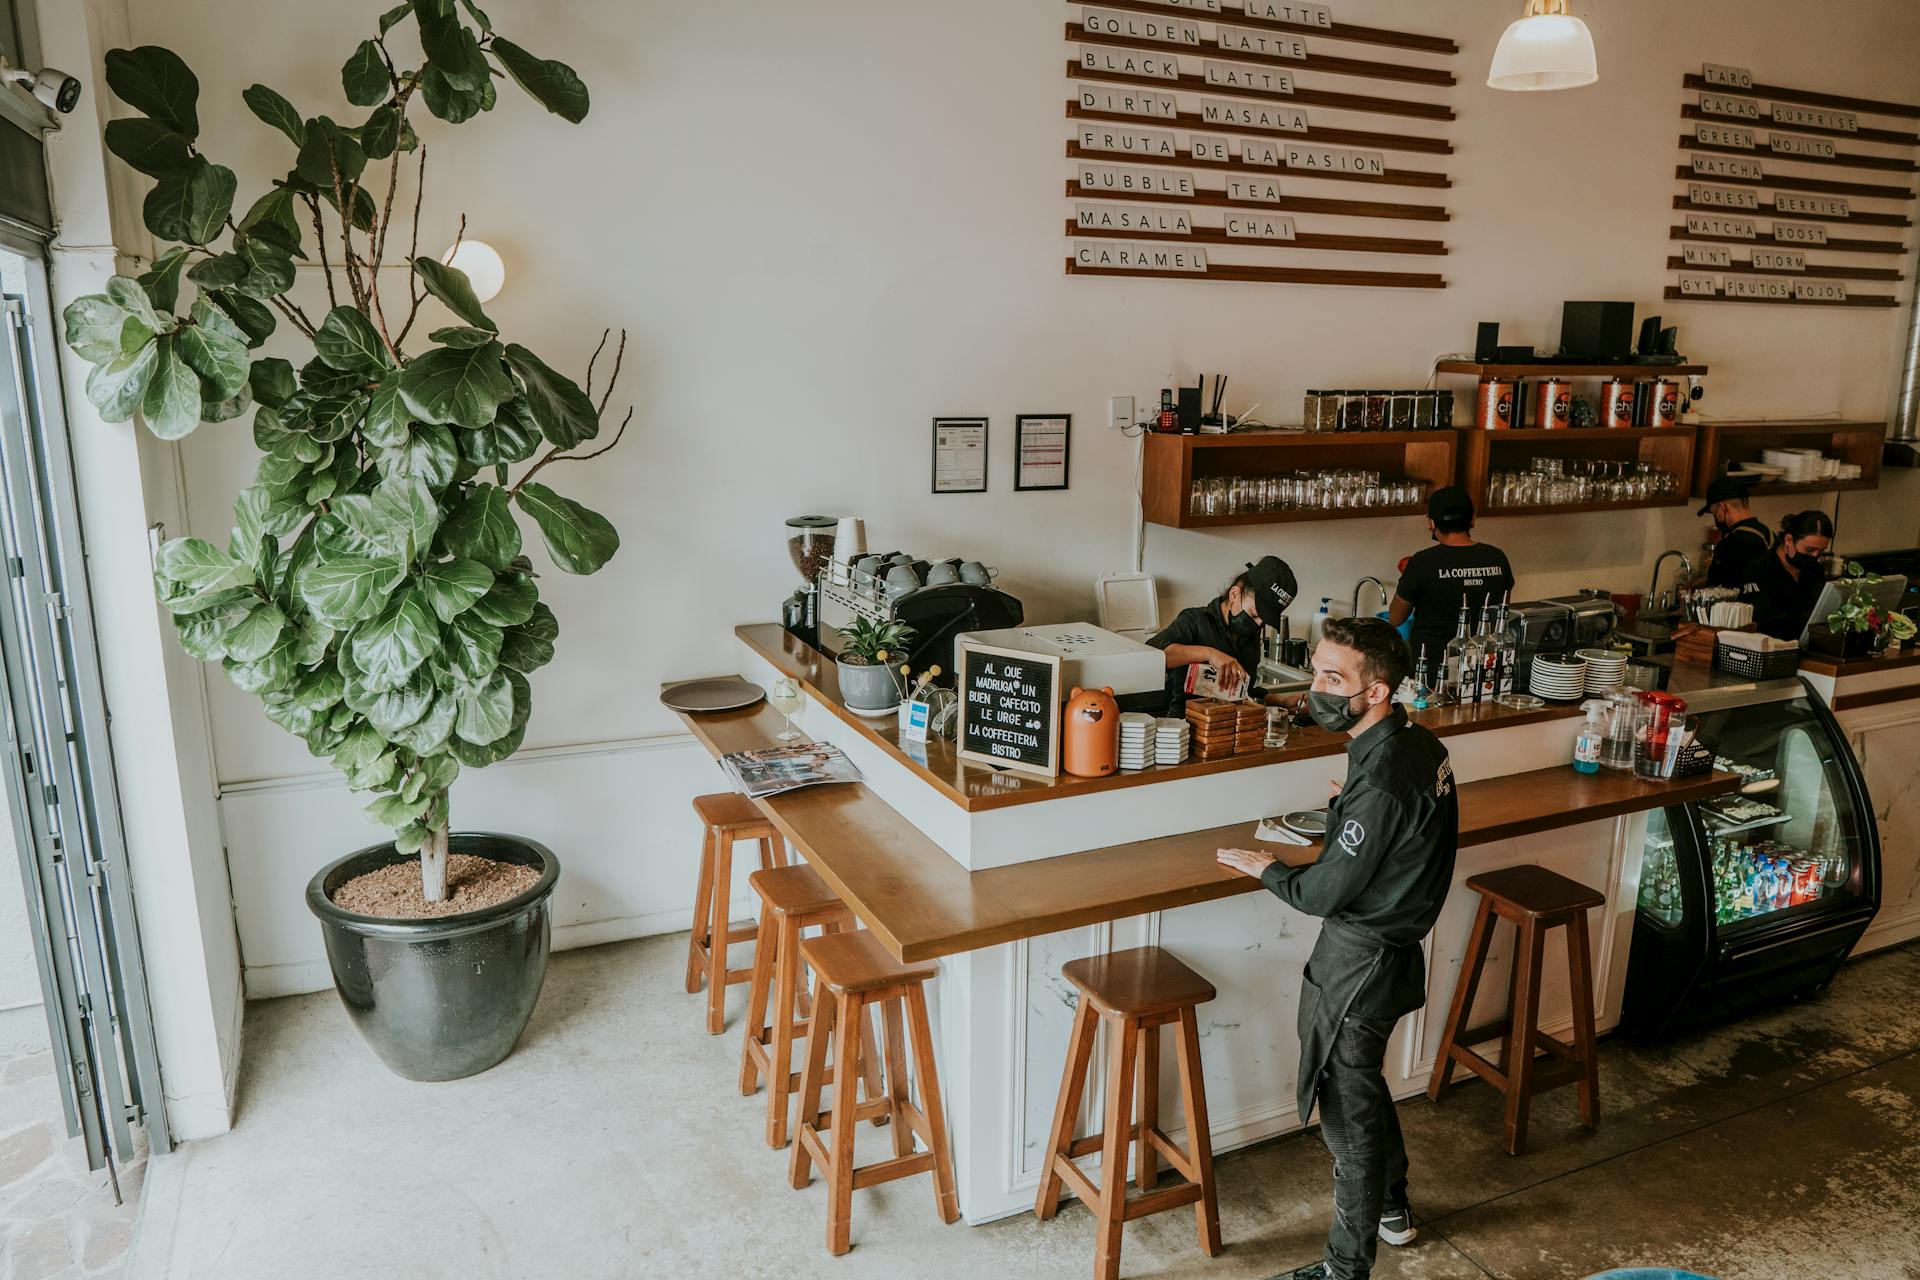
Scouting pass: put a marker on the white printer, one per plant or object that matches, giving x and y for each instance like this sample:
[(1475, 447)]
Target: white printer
[(1090, 658)]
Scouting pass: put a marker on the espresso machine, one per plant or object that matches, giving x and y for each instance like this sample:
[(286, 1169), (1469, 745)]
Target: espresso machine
[(938, 611)]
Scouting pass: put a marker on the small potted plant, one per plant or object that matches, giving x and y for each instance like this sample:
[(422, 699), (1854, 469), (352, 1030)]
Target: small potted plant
[(1854, 629), (870, 663), (1900, 630)]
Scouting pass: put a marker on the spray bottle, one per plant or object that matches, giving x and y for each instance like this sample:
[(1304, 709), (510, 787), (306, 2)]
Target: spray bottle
[(1587, 743)]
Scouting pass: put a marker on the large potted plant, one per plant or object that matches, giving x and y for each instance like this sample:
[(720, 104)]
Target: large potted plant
[(871, 665), (373, 592)]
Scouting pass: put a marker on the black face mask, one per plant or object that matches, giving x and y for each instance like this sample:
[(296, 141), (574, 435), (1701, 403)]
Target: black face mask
[(1803, 562), (1243, 626), (1332, 711)]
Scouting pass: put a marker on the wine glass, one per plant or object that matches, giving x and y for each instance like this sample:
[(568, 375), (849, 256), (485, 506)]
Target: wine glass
[(786, 700)]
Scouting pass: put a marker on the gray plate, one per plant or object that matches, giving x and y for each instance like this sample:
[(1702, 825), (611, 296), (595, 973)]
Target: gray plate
[(726, 693), (1308, 822)]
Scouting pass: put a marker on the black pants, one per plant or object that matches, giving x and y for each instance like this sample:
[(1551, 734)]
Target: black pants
[(1362, 1130)]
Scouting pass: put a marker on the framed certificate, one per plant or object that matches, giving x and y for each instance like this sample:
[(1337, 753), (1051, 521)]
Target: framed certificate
[(959, 455), (1040, 443)]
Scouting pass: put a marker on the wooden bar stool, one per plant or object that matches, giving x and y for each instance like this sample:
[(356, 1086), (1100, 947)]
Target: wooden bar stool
[(792, 898), (1535, 900), (855, 972), (726, 817), (1134, 993)]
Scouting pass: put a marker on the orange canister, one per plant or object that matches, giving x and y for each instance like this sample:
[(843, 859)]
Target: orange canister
[(1616, 402), (1090, 733), (1495, 409), (1663, 402), (1553, 404)]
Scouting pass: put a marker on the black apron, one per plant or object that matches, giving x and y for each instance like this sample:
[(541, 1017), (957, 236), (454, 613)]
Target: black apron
[(1343, 965)]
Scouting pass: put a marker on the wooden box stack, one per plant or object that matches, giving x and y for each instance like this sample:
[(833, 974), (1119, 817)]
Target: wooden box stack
[(1222, 729)]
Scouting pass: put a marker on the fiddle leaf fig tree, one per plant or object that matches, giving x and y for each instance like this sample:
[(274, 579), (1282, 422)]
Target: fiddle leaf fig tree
[(374, 592)]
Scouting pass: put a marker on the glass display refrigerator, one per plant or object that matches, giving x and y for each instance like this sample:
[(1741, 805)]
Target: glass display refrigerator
[(1757, 896)]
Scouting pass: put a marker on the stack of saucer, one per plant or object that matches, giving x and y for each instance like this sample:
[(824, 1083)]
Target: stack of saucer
[(1170, 736), (1606, 669), (1559, 678), (1136, 740)]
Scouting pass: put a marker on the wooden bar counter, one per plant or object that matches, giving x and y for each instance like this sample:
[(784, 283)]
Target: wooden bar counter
[(1003, 877)]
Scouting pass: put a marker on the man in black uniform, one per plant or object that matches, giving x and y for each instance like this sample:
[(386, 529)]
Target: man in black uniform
[(1379, 883), (1225, 632), (1744, 537), (1439, 579)]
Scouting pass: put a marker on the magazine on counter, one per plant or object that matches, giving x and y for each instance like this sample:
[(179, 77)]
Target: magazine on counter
[(772, 770)]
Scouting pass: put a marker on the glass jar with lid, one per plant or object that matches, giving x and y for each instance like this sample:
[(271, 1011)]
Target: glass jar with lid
[(1376, 411), (1426, 410), (1353, 411), (1400, 411), (1322, 411)]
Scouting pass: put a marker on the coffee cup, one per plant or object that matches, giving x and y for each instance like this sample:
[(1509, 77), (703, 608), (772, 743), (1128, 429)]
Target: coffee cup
[(972, 571), (939, 573), (901, 578), (866, 566)]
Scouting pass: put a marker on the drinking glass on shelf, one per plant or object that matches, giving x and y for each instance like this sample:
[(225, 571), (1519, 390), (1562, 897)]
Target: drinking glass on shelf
[(786, 700)]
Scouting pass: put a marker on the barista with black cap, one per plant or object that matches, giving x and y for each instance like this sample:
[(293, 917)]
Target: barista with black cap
[(1439, 579), (1744, 537), (1378, 885), (1225, 632)]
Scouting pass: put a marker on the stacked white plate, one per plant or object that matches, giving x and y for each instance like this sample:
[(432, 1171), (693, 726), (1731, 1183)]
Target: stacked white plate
[(1606, 669), (1559, 679), (1170, 739), (1800, 466), (1136, 740)]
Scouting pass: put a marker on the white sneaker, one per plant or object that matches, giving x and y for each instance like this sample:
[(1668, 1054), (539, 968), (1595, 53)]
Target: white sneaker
[(1396, 1227)]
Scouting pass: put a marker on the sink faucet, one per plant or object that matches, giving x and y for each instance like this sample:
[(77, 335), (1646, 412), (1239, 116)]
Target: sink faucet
[(1686, 567), (1381, 587)]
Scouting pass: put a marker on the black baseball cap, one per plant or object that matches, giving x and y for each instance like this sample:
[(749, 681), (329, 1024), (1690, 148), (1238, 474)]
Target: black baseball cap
[(1273, 586), (1450, 507), (1721, 490)]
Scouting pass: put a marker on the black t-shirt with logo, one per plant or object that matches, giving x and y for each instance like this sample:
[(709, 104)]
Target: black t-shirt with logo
[(1203, 625), (1736, 557), (1437, 580)]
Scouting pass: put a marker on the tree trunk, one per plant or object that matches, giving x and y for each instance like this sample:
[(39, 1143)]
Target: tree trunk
[(433, 866)]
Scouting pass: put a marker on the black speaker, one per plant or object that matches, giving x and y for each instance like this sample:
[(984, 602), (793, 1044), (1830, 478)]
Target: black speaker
[(1188, 407), (1486, 343), (1596, 330)]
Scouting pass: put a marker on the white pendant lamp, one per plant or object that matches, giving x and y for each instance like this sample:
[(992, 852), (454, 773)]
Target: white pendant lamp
[(481, 262), (1548, 48)]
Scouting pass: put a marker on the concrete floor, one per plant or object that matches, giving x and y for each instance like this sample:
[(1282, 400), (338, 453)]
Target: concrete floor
[(58, 1220), (613, 1143)]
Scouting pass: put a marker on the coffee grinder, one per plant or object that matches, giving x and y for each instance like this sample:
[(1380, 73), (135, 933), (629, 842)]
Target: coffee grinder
[(810, 541)]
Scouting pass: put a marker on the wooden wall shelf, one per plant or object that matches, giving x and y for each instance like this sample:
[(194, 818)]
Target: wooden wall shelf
[(1338, 31), (1391, 178), (1858, 217), (1298, 98), (1174, 462), (1287, 204), (1843, 159), (1320, 63), (1807, 98), (1820, 270), (1195, 122), (1673, 294), (1668, 449), (1793, 182), (1769, 241), (1724, 443), (1476, 369), (1301, 240)]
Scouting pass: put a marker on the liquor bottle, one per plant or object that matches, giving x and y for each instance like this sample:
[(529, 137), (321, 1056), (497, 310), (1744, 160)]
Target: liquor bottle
[(1454, 663), (1509, 650), (1422, 691), (1489, 654)]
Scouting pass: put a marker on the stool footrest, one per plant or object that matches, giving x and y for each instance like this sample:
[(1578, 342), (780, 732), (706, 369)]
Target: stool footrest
[(1174, 1155), (1480, 1067), (869, 1175), (1160, 1201)]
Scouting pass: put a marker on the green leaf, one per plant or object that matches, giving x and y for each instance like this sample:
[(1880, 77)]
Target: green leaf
[(386, 424), (274, 218), (392, 811), (529, 646), (483, 528), (477, 757), (564, 413), (269, 271), (249, 523), (162, 280), (335, 417), (364, 744), (365, 76), (95, 325), (363, 206), (156, 81), (406, 508), (453, 586), (478, 15), (320, 690), (453, 51), (393, 16), (219, 358), (348, 341), (272, 381), (398, 639), (510, 602), (250, 315), (257, 633), (327, 155), (486, 711), (449, 101), (211, 318), (474, 646), (554, 85), (430, 732), (204, 635), (263, 675), (318, 378), (460, 385), (171, 405), (198, 565), (428, 455), (350, 527), (512, 437), (276, 111), (230, 408), (380, 135), (127, 294), (462, 336), (118, 386), (452, 287), (219, 271), (391, 709), (154, 148), (579, 540), (344, 589), (192, 209)]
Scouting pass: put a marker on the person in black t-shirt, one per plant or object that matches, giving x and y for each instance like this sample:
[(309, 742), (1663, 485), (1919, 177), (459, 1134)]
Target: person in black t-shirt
[(1788, 580), (1438, 580), (1744, 537), (1226, 630)]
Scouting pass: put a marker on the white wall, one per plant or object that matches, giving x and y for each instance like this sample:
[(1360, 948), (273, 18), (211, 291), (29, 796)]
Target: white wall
[(826, 222)]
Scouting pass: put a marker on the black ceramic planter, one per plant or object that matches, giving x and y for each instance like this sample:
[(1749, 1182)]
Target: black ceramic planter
[(446, 998)]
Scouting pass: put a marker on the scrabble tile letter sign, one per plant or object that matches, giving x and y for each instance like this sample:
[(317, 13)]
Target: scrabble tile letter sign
[(1009, 708)]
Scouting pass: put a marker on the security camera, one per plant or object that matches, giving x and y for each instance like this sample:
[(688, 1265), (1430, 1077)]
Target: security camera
[(53, 87)]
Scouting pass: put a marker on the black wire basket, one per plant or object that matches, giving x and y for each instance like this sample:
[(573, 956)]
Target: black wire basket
[(1755, 665)]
